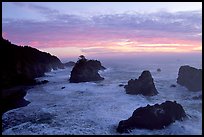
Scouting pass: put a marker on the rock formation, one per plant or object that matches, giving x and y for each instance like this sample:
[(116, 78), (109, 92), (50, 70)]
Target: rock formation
[(153, 117), (144, 85), (172, 85), (20, 66), (190, 77), (69, 64), (13, 98), (86, 70)]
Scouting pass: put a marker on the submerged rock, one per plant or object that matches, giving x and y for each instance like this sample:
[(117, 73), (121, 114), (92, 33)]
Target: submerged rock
[(158, 70), (173, 86), (121, 85), (86, 70), (144, 85), (153, 117), (197, 97), (190, 77), (62, 87)]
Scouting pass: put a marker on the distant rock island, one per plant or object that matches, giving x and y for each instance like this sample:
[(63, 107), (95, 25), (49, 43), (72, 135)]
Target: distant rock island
[(86, 71), (144, 85), (153, 117), (20, 66), (69, 64), (190, 77)]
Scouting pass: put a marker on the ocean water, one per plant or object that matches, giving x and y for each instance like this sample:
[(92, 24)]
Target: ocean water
[(60, 107)]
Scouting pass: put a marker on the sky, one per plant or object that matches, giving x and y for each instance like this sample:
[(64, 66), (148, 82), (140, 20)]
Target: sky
[(104, 29)]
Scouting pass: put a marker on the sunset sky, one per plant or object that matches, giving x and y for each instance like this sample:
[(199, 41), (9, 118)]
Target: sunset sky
[(69, 29)]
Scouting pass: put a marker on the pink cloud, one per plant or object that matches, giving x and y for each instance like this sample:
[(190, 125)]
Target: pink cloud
[(106, 33)]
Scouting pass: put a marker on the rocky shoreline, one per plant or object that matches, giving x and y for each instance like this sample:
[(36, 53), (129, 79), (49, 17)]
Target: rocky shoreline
[(21, 65)]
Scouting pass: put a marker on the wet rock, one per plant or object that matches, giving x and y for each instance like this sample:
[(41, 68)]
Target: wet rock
[(62, 87), (190, 77), (144, 85), (13, 98), (121, 85), (153, 117), (173, 86)]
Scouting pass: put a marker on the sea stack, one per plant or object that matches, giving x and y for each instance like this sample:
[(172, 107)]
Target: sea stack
[(86, 70), (190, 77), (153, 117), (144, 85)]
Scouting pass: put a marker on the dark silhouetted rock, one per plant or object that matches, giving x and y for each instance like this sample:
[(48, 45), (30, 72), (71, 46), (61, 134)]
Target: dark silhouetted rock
[(69, 64), (144, 85), (173, 86), (153, 117), (62, 87), (86, 70), (121, 85), (190, 77), (20, 66), (158, 70), (13, 98)]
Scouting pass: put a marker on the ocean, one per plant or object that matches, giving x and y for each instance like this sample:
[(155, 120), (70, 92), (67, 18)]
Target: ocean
[(96, 108)]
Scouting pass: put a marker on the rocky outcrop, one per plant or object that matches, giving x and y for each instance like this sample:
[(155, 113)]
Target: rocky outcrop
[(190, 77), (144, 85), (153, 117), (86, 70), (19, 67), (69, 64), (13, 98)]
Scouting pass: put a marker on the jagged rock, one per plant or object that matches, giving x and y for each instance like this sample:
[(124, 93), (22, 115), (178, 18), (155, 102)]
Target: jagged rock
[(86, 70), (69, 64), (190, 77), (23, 64), (153, 117), (144, 85)]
